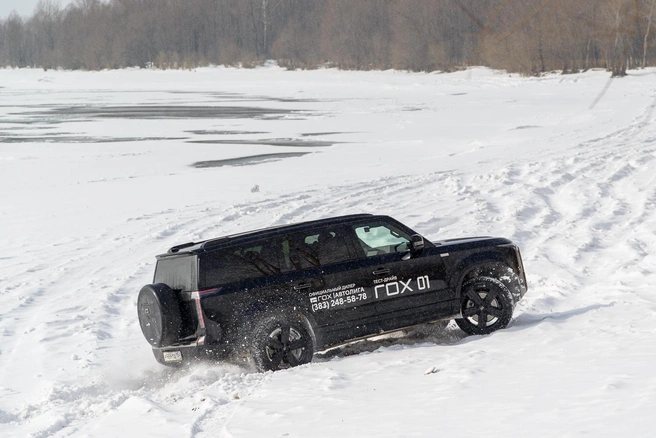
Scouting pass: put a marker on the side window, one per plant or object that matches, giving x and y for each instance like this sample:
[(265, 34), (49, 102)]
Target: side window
[(236, 263), (379, 238), (314, 248)]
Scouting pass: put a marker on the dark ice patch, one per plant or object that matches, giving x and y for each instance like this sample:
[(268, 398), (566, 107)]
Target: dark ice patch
[(317, 134), (210, 132), (287, 142), (237, 97), (29, 122), (156, 112), (80, 139), (524, 127), (248, 161)]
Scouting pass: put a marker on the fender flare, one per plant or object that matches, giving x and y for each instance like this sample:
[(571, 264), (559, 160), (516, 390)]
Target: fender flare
[(475, 262)]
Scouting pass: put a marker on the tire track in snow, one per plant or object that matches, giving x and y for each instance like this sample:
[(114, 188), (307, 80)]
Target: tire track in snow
[(582, 214), (105, 293), (581, 201), (557, 199), (554, 201)]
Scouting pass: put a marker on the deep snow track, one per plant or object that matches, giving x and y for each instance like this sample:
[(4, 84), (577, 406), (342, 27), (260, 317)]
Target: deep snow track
[(580, 201)]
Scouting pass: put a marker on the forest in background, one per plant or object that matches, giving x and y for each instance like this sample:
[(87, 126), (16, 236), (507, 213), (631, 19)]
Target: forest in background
[(525, 36)]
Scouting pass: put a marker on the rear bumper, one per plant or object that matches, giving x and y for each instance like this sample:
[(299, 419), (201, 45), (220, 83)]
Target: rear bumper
[(178, 355)]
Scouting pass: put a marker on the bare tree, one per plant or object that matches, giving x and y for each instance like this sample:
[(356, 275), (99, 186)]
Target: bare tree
[(526, 36), (44, 25), (15, 41), (646, 39), (263, 14)]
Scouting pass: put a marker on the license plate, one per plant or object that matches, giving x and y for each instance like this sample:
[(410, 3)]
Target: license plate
[(172, 356)]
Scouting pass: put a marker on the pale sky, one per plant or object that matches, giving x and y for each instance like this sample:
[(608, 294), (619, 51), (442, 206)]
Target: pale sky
[(23, 7)]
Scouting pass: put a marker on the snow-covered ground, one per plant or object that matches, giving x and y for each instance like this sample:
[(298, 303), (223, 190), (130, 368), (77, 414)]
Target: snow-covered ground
[(97, 177)]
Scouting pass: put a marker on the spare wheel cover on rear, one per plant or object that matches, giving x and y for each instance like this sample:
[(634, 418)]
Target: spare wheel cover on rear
[(159, 314)]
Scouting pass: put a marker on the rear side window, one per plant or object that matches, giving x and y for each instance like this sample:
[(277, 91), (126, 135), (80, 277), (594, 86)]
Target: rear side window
[(315, 248), (236, 263), (177, 272)]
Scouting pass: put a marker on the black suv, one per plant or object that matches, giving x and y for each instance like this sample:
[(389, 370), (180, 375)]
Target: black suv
[(277, 295)]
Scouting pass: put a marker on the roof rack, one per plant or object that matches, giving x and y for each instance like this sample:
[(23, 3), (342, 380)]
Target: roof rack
[(210, 243)]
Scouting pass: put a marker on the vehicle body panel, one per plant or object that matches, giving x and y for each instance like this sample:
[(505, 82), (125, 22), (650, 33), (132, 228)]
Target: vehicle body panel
[(350, 277)]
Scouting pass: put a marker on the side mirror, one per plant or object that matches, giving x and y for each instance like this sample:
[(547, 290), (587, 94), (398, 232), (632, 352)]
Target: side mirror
[(416, 243)]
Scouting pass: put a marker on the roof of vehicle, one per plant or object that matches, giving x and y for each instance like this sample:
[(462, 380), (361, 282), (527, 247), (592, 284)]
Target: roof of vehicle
[(206, 245)]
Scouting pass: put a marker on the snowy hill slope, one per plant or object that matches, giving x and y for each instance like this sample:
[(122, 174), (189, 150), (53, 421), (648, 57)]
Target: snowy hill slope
[(97, 178)]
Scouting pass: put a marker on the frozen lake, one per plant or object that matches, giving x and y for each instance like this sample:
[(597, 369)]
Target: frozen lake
[(101, 171)]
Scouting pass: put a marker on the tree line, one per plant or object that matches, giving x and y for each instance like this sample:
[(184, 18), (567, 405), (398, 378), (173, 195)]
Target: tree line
[(526, 36)]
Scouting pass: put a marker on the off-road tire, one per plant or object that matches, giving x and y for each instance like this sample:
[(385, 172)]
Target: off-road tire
[(486, 306), (280, 341)]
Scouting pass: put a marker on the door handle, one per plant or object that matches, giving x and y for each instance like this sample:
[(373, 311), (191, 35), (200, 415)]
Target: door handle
[(381, 271), (302, 286)]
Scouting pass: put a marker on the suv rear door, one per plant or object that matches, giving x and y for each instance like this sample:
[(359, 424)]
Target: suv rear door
[(236, 280), (321, 262), (406, 292)]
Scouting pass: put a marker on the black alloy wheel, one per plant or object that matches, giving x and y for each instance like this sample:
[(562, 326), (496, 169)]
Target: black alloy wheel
[(486, 306), (285, 347), (281, 343)]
